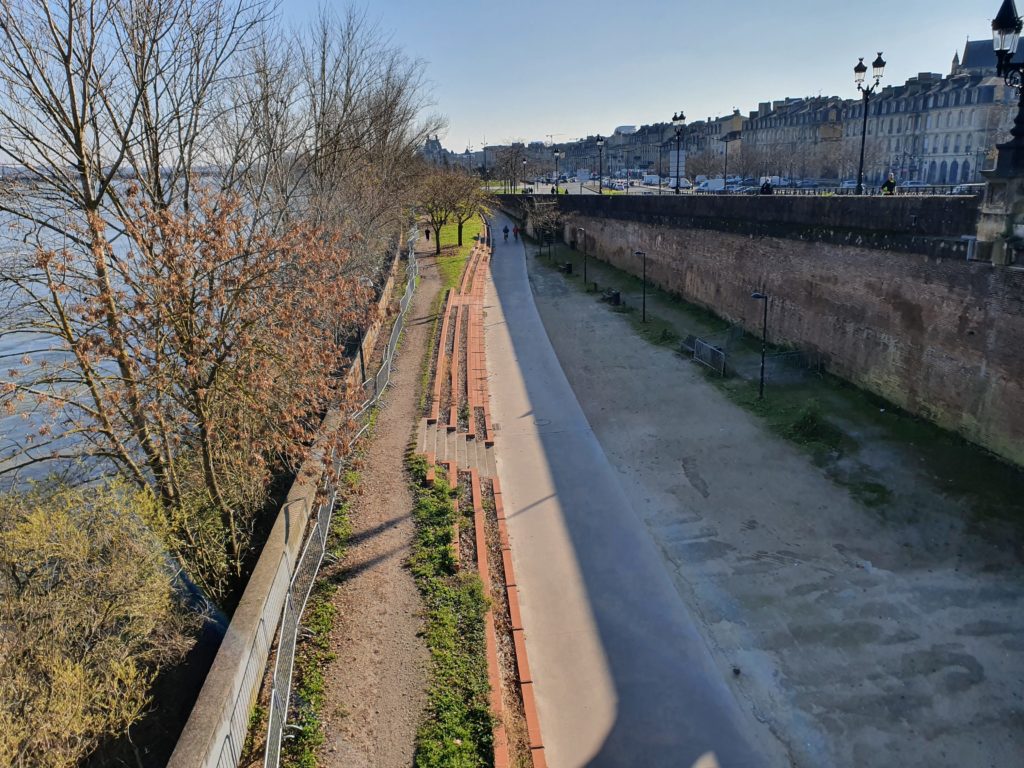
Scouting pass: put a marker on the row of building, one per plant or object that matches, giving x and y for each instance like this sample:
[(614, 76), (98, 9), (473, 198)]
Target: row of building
[(933, 128)]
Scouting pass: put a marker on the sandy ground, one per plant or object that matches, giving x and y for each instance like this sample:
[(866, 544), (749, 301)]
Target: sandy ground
[(375, 690), (861, 637)]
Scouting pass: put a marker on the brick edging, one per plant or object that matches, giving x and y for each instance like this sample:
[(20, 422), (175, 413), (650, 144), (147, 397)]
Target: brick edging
[(518, 634)]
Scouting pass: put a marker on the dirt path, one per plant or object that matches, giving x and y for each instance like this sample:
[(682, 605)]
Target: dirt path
[(375, 688), (861, 636)]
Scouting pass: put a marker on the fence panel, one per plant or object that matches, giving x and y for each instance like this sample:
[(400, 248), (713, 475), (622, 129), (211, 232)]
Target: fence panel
[(709, 355)]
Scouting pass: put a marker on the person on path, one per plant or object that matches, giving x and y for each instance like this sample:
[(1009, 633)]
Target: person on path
[(505, 231), (515, 233), (766, 188), (427, 233), (889, 187)]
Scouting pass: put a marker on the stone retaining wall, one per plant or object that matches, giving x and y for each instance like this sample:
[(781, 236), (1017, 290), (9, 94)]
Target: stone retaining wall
[(939, 336)]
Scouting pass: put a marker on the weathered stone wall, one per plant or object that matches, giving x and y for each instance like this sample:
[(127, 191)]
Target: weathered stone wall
[(940, 337)]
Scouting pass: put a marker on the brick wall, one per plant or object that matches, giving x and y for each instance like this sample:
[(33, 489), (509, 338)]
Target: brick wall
[(941, 337)]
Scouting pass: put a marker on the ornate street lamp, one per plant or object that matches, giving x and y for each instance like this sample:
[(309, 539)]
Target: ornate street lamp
[(524, 175), (877, 66), (556, 154), (1006, 28), (679, 122), (600, 163)]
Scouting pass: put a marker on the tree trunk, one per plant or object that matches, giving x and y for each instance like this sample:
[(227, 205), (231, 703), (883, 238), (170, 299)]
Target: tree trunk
[(460, 233), (437, 240)]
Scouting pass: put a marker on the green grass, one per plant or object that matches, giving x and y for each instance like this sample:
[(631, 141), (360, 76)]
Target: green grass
[(456, 730), (453, 258)]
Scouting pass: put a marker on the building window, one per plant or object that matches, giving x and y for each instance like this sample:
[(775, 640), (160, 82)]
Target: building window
[(956, 143), (945, 145)]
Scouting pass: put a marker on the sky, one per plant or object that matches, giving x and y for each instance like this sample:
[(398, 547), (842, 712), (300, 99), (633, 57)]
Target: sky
[(542, 70)]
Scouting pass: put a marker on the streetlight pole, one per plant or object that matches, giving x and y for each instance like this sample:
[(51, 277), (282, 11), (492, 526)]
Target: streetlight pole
[(764, 338), (727, 140), (584, 241), (643, 313), (1006, 29), (679, 121), (556, 155), (600, 164), (877, 66), (524, 175)]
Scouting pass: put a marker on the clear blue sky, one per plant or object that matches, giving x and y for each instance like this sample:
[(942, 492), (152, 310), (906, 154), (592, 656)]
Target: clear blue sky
[(522, 69)]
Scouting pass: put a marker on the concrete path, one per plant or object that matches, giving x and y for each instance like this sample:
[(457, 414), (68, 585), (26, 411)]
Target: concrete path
[(622, 676)]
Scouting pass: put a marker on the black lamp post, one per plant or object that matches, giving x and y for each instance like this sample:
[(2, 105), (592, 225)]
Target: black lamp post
[(679, 122), (524, 175), (764, 338), (583, 240), (643, 314), (877, 67), (600, 164), (1006, 28), (556, 154)]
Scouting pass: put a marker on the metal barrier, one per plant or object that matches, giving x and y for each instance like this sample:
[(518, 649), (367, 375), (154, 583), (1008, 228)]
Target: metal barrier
[(709, 355), (308, 564)]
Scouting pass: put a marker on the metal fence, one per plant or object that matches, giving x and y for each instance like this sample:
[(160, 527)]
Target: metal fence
[(313, 555), (709, 355)]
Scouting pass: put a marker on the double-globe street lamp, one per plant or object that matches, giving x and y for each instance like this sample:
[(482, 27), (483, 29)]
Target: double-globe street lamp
[(679, 122), (1006, 28), (556, 154), (600, 164), (877, 66)]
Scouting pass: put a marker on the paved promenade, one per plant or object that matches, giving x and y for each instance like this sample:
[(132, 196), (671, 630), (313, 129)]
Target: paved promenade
[(622, 676)]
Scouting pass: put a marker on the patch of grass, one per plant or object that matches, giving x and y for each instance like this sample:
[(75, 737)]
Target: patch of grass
[(453, 257), (456, 730), (428, 356), (869, 493)]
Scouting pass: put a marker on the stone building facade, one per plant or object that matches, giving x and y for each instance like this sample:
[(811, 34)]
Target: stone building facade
[(934, 129)]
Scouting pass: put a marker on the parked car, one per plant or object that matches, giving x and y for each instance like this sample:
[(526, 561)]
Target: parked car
[(968, 189), (808, 184), (848, 184)]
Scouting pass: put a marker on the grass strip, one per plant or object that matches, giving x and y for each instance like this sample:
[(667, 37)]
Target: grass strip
[(453, 257), (457, 728)]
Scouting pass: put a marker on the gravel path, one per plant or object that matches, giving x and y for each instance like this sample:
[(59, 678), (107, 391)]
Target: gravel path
[(375, 688)]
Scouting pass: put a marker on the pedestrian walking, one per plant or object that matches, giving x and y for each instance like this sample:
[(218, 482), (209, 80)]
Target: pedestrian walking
[(889, 187), (505, 231), (427, 233), (515, 232)]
